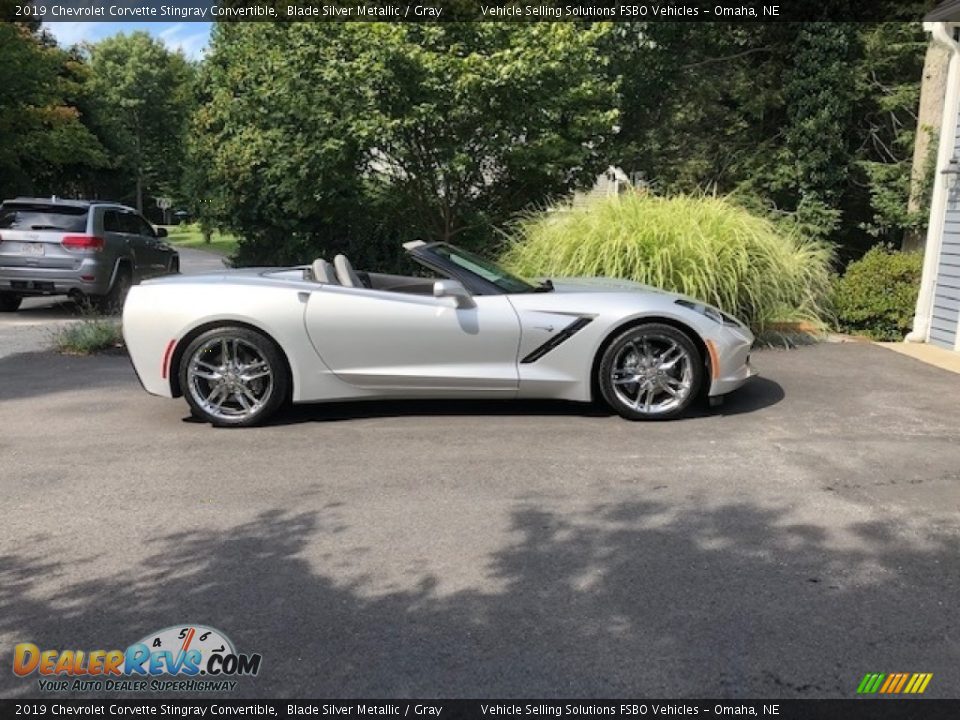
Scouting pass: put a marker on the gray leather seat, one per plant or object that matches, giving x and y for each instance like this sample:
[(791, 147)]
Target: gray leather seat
[(345, 272), (323, 272)]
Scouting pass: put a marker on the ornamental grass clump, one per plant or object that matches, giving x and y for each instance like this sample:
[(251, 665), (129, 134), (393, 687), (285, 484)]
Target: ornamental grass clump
[(92, 334), (702, 246)]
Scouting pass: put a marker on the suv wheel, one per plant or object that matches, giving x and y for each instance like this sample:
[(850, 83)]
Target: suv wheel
[(9, 302), (112, 302)]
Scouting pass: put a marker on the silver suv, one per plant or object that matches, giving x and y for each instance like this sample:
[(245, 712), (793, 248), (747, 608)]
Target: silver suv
[(86, 249)]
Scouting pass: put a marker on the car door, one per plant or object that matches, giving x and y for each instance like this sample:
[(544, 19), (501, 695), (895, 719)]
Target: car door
[(154, 251), (118, 239), (129, 232), (421, 344)]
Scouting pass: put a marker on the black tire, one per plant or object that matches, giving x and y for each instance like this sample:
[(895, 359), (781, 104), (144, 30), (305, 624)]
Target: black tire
[(212, 371), (112, 302), (175, 266), (9, 302), (640, 357)]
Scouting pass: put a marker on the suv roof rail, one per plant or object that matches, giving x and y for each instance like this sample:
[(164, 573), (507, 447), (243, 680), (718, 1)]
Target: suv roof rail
[(54, 200)]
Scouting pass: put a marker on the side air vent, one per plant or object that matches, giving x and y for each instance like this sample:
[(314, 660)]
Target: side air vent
[(561, 337)]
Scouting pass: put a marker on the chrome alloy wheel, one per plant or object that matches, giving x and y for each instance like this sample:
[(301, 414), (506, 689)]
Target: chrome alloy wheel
[(229, 378), (652, 375)]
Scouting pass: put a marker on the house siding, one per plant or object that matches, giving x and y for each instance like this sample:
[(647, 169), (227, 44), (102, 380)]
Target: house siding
[(946, 295)]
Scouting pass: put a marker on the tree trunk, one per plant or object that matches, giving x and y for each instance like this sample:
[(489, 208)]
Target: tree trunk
[(933, 89), (139, 193)]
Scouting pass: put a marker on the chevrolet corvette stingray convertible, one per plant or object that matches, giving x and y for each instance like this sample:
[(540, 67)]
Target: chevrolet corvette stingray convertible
[(238, 344)]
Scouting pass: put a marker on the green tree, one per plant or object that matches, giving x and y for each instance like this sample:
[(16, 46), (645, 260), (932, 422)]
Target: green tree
[(45, 146), (143, 102), (813, 121), (813, 166), (328, 136), (888, 84)]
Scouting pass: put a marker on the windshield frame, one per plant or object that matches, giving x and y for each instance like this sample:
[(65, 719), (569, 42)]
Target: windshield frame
[(437, 257)]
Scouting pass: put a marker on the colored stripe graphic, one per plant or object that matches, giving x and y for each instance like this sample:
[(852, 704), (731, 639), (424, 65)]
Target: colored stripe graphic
[(894, 683), (875, 681)]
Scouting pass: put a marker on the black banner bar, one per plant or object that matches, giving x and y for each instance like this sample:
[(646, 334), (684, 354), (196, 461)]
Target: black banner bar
[(858, 709), (467, 10)]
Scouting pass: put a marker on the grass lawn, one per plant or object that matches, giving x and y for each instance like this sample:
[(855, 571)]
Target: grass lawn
[(190, 236)]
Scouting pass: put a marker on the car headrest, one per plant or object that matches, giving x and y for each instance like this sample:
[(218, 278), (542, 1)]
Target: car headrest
[(323, 272), (345, 273)]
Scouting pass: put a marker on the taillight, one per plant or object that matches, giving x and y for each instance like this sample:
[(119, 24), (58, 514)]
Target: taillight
[(82, 242)]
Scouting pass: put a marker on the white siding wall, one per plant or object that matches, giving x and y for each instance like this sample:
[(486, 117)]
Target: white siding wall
[(946, 294)]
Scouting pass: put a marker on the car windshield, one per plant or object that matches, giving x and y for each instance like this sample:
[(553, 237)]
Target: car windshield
[(21, 216), (489, 271)]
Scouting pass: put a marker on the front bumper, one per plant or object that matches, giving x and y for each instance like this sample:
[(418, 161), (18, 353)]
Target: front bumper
[(730, 362)]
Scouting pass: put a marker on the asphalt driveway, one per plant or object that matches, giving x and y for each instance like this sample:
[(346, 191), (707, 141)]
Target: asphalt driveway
[(802, 536)]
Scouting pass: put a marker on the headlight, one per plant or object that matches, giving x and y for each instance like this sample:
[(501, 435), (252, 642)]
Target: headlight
[(721, 318)]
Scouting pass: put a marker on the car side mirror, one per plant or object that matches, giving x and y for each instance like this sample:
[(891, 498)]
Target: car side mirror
[(161, 232), (455, 290)]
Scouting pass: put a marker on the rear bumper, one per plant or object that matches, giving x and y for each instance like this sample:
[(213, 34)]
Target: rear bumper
[(89, 277)]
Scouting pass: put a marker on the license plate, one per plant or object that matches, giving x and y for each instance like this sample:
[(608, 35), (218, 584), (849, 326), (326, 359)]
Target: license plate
[(32, 249)]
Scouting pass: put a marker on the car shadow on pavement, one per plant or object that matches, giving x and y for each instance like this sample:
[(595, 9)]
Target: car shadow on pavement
[(636, 599), (357, 410), (756, 395)]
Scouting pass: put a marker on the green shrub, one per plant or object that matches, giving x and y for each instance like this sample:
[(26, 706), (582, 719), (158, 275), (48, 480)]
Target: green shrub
[(705, 247), (877, 295), (87, 336)]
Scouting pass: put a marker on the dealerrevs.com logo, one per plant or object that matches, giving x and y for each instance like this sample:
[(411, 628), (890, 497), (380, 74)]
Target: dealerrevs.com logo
[(180, 658)]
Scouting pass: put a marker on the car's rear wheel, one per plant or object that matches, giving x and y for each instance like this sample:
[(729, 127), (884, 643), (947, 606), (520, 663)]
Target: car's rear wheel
[(9, 302), (651, 372), (233, 377)]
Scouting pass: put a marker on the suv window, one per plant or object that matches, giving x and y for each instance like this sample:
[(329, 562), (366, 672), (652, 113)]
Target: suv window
[(146, 228), (111, 221), (129, 223), (28, 216)]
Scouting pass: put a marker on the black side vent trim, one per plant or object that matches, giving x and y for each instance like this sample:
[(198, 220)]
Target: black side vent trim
[(561, 337)]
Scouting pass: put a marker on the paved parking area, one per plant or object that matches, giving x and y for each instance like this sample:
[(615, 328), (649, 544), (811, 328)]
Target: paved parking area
[(800, 537)]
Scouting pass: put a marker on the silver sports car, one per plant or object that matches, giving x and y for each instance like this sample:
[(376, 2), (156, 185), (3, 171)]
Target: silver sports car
[(239, 344)]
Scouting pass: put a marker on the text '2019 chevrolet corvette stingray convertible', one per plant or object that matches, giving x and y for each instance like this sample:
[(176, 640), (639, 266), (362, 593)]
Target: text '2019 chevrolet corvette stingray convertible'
[(238, 344)]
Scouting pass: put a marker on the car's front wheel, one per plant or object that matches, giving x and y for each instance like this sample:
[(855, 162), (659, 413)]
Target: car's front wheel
[(9, 302), (651, 372), (233, 377)]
